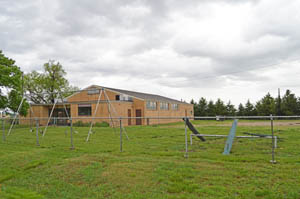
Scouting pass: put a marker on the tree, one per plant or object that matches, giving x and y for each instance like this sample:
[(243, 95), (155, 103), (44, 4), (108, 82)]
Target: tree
[(220, 107), (202, 107), (211, 111), (266, 105), (289, 103), (278, 103), (192, 101), (11, 81), (241, 110), (249, 109), (44, 87), (298, 106), (230, 109)]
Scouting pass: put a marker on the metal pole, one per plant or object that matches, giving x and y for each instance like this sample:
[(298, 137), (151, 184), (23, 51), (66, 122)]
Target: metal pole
[(37, 132), (186, 139), (71, 128), (273, 141), (121, 140), (3, 130)]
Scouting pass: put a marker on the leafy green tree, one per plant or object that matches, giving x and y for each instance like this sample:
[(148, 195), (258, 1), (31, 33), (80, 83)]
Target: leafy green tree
[(241, 110), (230, 109), (266, 105), (211, 111), (11, 81), (249, 109), (44, 87)]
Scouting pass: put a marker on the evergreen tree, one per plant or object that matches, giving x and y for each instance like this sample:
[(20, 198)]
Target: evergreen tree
[(230, 109), (278, 104), (202, 107), (220, 107), (241, 110), (249, 109), (266, 105), (289, 103), (211, 108)]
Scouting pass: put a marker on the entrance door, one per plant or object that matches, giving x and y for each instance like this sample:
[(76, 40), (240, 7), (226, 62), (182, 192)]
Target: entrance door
[(138, 113), (129, 115)]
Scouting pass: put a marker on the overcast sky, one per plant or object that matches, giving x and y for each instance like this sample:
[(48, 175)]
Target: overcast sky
[(230, 49)]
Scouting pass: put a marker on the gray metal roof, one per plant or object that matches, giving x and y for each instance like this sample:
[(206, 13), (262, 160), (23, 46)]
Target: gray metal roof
[(144, 96)]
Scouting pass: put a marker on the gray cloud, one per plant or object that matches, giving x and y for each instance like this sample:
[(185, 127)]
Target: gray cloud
[(181, 48)]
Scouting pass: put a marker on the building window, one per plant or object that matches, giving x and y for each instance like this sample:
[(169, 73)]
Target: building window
[(151, 105), (164, 106), (175, 107), (93, 91), (117, 97), (84, 109)]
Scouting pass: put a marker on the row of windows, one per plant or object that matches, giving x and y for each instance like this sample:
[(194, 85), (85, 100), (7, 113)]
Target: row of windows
[(86, 109), (151, 105)]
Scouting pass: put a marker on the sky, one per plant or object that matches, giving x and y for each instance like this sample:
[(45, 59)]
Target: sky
[(230, 49)]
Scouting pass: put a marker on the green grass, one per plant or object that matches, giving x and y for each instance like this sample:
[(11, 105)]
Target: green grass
[(152, 164)]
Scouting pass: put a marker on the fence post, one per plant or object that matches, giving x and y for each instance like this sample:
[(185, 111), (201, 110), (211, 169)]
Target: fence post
[(121, 140), (186, 138), (71, 134), (3, 130), (37, 132), (273, 142)]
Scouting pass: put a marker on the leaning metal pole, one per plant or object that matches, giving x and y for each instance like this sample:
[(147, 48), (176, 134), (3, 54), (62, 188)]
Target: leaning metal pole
[(51, 113), (114, 110), (13, 123), (91, 126)]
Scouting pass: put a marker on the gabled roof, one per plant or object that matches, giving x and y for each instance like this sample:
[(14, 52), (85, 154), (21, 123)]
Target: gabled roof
[(144, 96)]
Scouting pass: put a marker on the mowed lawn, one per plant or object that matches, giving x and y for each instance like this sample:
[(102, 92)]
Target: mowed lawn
[(152, 164)]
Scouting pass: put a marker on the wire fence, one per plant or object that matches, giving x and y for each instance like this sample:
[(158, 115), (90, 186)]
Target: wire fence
[(39, 125)]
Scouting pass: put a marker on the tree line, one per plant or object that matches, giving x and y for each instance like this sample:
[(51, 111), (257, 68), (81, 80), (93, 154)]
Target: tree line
[(37, 87), (287, 105)]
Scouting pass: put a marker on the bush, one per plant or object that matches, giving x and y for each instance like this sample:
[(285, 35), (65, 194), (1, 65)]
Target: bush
[(97, 124), (81, 124), (102, 124)]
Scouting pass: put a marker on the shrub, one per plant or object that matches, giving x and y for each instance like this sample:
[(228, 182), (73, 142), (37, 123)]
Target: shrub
[(80, 124), (102, 124)]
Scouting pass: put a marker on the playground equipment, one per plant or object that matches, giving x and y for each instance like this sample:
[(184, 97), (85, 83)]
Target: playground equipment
[(231, 136), (192, 128)]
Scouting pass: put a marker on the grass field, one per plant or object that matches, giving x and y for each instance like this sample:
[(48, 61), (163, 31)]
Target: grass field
[(152, 164)]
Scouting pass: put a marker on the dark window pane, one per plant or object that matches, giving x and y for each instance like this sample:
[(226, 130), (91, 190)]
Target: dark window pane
[(84, 111)]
